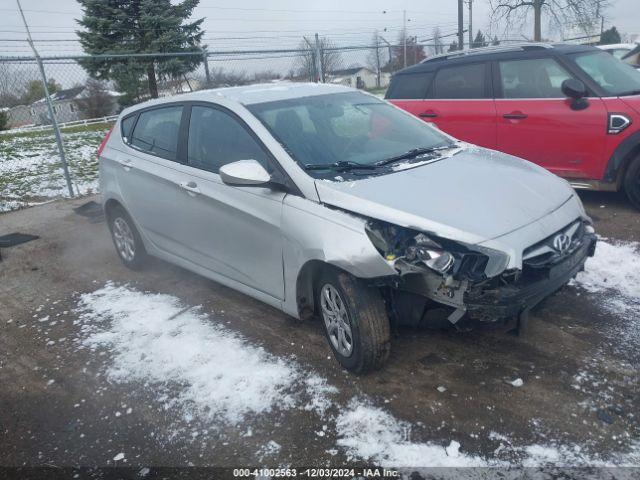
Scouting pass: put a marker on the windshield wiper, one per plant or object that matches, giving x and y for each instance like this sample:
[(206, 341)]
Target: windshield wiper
[(416, 152), (341, 166)]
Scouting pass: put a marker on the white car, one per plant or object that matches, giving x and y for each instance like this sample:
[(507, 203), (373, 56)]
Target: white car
[(627, 52), (324, 200)]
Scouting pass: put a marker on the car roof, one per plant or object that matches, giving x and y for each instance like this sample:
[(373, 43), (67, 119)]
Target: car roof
[(614, 46), (511, 51), (250, 94)]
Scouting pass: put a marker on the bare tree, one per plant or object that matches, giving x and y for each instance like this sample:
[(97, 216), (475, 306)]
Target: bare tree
[(562, 13), (437, 46), (330, 59), (374, 59)]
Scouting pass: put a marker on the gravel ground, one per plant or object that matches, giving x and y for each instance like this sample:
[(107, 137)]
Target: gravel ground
[(103, 366)]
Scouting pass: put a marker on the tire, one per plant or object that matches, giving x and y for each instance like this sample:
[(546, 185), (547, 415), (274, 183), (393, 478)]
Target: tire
[(126, 239), (364, 314), (632, 182)]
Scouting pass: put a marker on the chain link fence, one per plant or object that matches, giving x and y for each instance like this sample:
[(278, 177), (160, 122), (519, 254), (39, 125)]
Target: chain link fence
[(84, 106)]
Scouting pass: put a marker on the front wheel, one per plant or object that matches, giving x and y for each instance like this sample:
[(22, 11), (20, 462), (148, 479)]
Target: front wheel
[(355, 321), (632, 182)]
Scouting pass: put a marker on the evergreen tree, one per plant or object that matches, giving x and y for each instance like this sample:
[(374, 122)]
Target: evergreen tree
[(610, 37), (479, 41), (139, 26)]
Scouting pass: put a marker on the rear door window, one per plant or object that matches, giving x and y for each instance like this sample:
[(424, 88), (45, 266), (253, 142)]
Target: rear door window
[(464, 81), (532, 78), (409, 87), (156, 132)]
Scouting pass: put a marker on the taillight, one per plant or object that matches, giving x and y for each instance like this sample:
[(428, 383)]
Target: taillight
[(104, 142)]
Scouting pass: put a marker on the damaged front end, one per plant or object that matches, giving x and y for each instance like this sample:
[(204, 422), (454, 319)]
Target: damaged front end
[(440, 278)]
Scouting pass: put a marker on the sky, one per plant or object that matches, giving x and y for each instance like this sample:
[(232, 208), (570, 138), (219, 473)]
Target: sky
[(272, 24), (260, 24)]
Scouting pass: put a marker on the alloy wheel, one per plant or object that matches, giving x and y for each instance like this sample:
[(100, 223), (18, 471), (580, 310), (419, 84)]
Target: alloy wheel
[(336, 320), (123, 236)]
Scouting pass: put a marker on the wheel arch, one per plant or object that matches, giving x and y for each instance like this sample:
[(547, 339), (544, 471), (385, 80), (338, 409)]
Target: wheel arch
[(617, 165), (110, 205), (306, 283)]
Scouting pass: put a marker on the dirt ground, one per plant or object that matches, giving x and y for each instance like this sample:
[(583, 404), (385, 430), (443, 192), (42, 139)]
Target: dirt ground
[(70, 421)]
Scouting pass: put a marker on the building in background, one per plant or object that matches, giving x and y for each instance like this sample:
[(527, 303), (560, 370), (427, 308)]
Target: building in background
[(358, 77), (67, 107)]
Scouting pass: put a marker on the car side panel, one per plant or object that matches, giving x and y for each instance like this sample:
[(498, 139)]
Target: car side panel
[(473, 121), (568, 142), (313, 231), (620, 105)]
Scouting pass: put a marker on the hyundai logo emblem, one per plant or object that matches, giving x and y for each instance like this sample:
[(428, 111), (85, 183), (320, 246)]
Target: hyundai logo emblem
[(561, 242)]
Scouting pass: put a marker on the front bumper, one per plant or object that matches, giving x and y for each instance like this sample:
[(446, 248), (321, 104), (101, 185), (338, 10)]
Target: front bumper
[(492, 303)]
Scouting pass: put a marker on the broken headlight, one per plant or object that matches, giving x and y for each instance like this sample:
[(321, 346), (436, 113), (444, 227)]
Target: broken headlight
[(410, 250)]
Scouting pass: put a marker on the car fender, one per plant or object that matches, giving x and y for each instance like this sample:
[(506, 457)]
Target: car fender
[(617, 163), (318, 235)]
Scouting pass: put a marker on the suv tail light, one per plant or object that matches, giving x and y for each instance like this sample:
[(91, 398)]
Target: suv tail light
[(104, 142)]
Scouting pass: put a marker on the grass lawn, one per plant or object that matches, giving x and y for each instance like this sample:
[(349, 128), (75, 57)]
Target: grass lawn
[(30, 168)]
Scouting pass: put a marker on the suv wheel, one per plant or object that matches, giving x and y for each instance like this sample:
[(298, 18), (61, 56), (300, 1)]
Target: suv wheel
[(632, 182), (126, 239), (355, 321)]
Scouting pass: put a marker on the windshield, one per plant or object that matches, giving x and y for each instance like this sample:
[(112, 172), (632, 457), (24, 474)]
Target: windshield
[(346, 129), (615, 77)]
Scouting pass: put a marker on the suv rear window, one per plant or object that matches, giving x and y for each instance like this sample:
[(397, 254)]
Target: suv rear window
[(412, 86), (156, 131), (464, 81)]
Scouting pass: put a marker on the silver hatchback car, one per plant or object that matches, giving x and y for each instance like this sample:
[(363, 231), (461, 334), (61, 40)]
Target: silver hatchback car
[(325, 201)]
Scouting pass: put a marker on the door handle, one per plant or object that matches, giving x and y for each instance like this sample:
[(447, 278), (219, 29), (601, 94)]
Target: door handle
[(428, 114), (191, 187), (515, 116)]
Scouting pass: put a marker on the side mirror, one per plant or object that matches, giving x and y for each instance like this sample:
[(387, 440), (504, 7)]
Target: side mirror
[(576, 91), (245, 173)]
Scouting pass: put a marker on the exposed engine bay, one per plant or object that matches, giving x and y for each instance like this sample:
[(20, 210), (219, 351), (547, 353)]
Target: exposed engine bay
[(437, 273)]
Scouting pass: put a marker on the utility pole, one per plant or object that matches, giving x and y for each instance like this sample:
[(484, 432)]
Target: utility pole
[(319, 60), (388, 46), (404, 36), (377, 60), (470, 23), (205, 59), (460, 25), (54, 122)]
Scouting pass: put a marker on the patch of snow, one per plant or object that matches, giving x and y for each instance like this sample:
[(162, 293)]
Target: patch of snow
[(613, 276), (518, 382), (154, 339), (370, 433), (270, 449), (118, 457), (615, 267)]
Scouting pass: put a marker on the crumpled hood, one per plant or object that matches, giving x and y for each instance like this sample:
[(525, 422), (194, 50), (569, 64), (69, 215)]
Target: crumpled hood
[(472, 196)]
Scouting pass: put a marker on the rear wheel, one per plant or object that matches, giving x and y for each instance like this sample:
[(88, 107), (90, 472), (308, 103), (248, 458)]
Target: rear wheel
[(355, 321), (632, 182), (126, 239)]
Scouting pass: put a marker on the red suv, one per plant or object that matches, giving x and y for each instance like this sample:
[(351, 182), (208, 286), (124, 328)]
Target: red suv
[(572, 109)]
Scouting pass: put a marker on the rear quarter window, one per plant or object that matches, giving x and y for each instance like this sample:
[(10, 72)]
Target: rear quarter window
[(126, 126), (411, 86)]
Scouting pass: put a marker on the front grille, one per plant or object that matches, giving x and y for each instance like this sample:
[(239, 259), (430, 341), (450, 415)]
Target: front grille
[(552, 250)]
